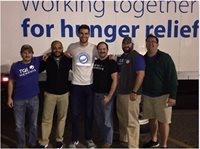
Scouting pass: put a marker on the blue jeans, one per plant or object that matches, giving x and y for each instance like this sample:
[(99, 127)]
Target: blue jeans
[(81, 96), (21, 107), (104, 118)]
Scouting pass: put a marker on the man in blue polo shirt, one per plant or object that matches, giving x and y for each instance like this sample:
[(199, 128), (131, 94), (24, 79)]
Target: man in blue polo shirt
[(131, 73)]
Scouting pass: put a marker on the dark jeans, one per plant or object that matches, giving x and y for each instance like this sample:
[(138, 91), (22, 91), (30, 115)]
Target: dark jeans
[(103, 114), (81, 96), (21, 107)]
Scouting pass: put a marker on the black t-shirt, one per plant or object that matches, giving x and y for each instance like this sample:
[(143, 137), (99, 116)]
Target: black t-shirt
[(102, 71)]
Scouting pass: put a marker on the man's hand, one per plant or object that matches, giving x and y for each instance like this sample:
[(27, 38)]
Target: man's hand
[(106, 99), (171, 102), (112, 57), (67, 54), (45, 56), (10, 103), (133, 96)]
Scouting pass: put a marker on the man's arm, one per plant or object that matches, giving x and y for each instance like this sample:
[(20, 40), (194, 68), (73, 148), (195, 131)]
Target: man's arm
[(138, 83), (10, 92), (113, 87)]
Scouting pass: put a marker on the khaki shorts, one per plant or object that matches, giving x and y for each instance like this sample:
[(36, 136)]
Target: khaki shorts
[(157, 108)]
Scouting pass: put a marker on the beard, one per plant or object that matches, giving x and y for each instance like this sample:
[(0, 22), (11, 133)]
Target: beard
[(128, 49), (57, 54), (102, 54)]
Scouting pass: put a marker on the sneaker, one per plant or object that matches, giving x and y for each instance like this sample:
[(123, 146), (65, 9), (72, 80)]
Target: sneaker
[(124, 144), (151, 144), (42, 146), (33, 146), (73, 144), (90, 144), (59, 145), (105, 146)]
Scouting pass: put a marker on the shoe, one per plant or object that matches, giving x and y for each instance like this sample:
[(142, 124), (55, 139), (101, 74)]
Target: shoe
[(59, 145), (151, 144), (105, 146), (33, 146), (90, 144), (73, 144), (124, 144), (42, 146)]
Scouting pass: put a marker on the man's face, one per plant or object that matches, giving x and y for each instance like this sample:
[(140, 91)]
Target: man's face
[(127, 47), (57, 49), (151, 45), (84, 35), (102, 50), (27, 55)]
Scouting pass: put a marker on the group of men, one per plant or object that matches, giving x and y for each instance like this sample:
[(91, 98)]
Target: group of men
[(96, 79)]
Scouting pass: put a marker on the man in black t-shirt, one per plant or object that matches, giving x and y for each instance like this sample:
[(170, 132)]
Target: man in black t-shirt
[(105, 83)]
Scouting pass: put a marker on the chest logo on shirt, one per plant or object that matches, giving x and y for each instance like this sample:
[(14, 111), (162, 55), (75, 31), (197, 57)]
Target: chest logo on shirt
[(31, 67), (98, 67), (127, 61), (26, 71), (83, 58)]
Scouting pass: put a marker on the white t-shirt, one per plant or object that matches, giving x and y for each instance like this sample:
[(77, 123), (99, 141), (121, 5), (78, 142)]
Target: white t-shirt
[(82, 63)]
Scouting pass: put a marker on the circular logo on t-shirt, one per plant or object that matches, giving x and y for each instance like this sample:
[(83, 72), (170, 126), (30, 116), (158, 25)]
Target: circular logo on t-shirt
[(127, 61), (31, 67), (83, 58)]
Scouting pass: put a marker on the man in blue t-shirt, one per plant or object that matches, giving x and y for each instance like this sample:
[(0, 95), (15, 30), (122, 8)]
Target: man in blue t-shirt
[(131, 73), (23, 89)]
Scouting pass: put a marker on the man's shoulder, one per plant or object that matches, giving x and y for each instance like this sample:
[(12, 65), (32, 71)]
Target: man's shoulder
[(15, 64), (112, 61), (74, 44), (164, 55), (92, 46), (136, 53)]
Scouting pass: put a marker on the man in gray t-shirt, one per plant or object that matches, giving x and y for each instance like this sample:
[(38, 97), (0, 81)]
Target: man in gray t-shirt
[(83, 55)]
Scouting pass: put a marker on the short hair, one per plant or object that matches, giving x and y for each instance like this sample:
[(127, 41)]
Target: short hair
[(83, 26), (127, 40), (26, 47), (152, 36), (102, 42), (56, 41)]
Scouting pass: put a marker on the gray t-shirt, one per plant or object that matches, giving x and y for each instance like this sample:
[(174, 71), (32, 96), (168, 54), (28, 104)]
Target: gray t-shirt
[(82, 63)]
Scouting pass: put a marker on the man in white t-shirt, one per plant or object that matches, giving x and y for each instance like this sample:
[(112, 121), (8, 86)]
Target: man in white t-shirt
[(83, 55)]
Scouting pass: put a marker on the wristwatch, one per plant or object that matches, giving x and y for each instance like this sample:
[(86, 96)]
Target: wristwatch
[(134, 92)]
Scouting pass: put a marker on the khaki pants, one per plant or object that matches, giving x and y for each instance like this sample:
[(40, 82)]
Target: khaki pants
[(50, 102), (128, 114)]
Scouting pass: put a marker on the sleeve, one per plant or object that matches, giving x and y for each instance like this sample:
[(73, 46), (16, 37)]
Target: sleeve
[(42, 66), (12, 72), (39, 58), (69, 48), (114, 67), (139, 63), (95, 52), (70, 63), (171, 81)]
